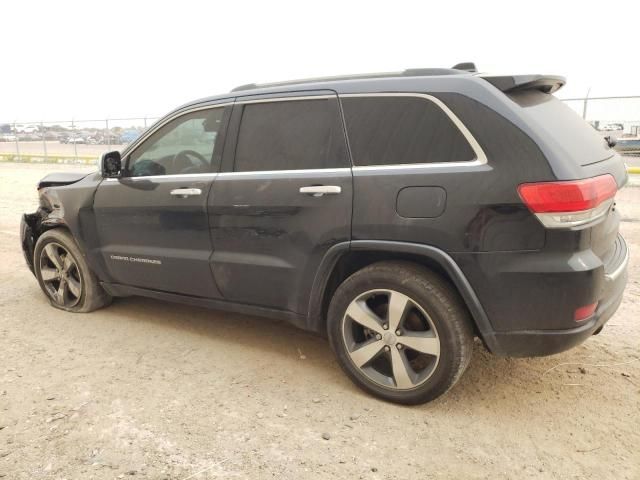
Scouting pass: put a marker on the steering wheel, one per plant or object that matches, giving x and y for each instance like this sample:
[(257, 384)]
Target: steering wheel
[(182, 161)]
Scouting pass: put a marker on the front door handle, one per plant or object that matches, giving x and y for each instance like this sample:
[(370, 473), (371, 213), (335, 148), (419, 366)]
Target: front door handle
[(185, 192), (320, 190)]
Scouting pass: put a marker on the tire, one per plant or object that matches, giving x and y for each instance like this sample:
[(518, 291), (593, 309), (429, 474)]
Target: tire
[(432, 321), (64, 276)]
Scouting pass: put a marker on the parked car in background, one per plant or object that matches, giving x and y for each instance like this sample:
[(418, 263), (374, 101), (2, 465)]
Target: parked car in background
[(111, 139), (8, 137), (611, 127), (77, 139), (129, 136), (29, 129)]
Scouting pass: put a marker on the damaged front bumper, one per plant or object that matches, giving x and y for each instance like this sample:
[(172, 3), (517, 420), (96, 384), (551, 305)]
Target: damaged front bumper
[(28, 226)]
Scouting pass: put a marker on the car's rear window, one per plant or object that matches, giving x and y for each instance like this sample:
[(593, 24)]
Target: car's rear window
[(579, 141), (398, 130)]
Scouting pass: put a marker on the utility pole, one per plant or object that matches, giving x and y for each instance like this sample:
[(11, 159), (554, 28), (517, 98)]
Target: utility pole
[(584, 107)]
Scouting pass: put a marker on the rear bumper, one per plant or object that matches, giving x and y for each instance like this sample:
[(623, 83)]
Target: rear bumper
[(531, 343)]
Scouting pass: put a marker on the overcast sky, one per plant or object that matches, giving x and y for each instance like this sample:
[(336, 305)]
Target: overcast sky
[(90, 59)]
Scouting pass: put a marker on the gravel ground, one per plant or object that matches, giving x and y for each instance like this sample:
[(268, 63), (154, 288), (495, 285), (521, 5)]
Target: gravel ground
[(152, 390)]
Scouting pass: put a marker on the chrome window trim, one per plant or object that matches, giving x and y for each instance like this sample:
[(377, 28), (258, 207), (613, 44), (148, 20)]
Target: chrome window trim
[(481, 158), (236, 174), (139, 141), (286, 172), (175, 175), (420, 166)]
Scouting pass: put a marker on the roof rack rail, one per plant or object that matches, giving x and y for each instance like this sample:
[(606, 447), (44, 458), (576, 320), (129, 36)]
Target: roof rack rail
[(410, 72)]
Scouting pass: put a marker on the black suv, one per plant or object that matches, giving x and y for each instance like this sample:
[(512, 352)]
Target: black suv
[(400, 214)]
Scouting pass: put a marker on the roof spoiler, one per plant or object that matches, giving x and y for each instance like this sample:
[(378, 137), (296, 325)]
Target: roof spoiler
[(517, 83)]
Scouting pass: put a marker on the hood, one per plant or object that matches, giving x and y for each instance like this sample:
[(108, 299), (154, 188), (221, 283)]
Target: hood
[(61, 178)]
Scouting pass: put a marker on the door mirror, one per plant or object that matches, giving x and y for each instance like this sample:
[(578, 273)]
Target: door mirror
[(111, 164)]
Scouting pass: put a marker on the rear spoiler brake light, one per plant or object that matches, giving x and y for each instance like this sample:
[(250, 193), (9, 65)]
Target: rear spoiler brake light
[(515, 83)]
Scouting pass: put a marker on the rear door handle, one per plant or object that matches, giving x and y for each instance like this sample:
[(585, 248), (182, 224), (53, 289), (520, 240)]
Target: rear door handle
[(320, 190), (185, 192)]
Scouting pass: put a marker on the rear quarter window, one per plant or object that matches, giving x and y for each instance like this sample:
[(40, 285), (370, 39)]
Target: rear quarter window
[(399, 130), (578, 141)]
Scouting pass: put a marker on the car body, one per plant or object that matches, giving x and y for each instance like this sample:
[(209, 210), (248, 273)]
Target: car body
[(423, 197)]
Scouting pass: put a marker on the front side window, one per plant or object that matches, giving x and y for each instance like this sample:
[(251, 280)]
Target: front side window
[(182, 146), (398, 130), (291, 135)]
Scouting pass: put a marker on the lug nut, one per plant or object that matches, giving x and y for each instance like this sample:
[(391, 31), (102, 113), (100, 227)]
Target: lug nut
[(385, 326), (399, 345), (379, 337), (398, 332), (386, 348)]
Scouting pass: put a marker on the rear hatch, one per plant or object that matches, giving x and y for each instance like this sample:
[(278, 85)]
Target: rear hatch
[(584, 151)]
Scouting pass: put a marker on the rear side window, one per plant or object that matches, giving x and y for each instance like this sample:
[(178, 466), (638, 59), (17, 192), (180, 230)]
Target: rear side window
[(291, 135), (579, 141), (402, 130)]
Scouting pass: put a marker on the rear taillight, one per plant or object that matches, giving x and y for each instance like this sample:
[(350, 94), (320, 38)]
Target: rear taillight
[(571, 203)]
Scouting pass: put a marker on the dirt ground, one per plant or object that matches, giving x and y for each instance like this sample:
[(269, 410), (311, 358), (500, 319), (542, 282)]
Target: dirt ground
[(153, 390)]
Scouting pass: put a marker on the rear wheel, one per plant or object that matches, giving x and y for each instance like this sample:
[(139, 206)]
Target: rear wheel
[(400, 332), (64, 276)]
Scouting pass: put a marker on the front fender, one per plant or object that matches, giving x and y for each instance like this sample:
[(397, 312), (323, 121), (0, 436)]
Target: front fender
[(28, 236)]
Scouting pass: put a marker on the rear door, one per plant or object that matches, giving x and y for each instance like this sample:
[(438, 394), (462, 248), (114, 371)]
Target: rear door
[(152, 223), (283, 199)]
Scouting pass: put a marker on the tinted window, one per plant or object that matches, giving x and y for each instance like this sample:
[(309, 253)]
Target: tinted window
[(581, 142), (184, 145), (402, 130), (290, 135)]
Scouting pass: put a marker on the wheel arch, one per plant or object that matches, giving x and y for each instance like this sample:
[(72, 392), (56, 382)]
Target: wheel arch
[(33, 226), (344, 259)]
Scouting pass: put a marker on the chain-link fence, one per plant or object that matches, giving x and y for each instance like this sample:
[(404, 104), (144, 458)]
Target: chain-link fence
[(82, 141), (69, 141), (614, 117)]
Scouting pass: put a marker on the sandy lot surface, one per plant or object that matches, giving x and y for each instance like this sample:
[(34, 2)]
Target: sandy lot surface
[(152, 390)]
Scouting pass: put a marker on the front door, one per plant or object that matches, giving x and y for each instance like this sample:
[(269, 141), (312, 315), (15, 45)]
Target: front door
[(152, 223), (282, 199)]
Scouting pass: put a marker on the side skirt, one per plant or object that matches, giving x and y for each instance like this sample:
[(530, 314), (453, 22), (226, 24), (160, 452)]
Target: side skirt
[(295, 319)]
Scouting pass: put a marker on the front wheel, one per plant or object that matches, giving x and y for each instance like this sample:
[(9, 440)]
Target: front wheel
[(400, 332), (64, 276)]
